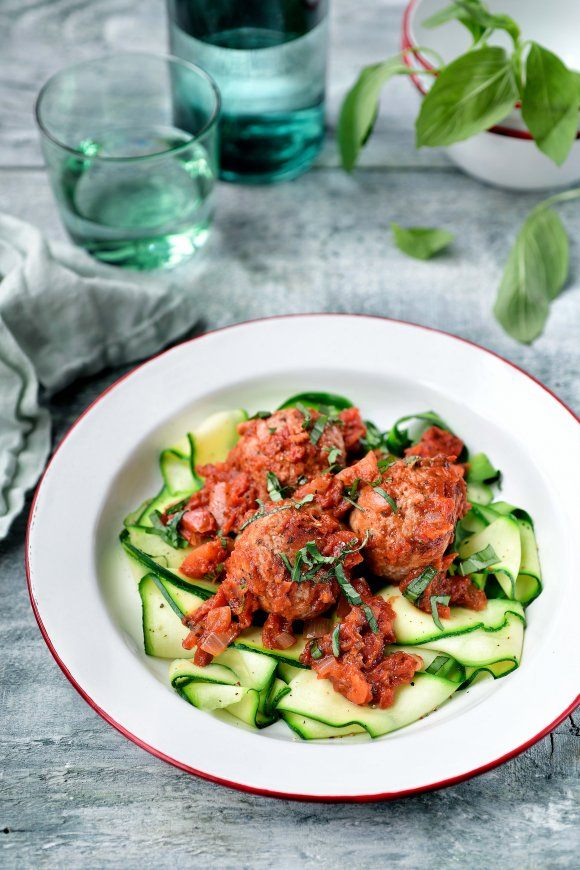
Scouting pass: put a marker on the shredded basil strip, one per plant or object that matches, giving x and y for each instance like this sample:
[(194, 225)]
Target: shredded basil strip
[(275, 489), (479, 561), (315, 651), (435, 600), (348, 590), (440, 665), (262, 512), (306, 414), (333, 455), (417, 586), (169, 532), (388, 498), (336, 641), (178, 506), (260, 415), (371, 619), (318, 428)]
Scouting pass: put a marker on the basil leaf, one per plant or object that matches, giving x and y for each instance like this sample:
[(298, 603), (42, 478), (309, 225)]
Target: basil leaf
[(422, 243), (417, 587), (275, 489), (550, 103), (336, 641), (435, 600), (169, 531), (388, 498), (454, 13), (478, 561), (535, 273), (260, 415), (348, 589), (318, 428), (371, 619), (360, 108), (474, 15), (473, 93), (315, 651)]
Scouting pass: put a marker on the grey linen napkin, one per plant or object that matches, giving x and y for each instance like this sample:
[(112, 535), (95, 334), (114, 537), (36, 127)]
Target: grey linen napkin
[(63, 315)]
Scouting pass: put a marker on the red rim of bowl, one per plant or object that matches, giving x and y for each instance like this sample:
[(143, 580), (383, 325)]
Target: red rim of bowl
[(238, 785), (407, 45)]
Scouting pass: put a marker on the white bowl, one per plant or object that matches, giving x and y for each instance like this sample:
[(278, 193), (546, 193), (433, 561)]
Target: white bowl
[(86, 601), (505, 155)]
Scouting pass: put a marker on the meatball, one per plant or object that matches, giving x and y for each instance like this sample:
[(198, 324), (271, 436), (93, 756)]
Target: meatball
[(429, 498), (259, 577), (286, 445), (436, 442), (262, 553)]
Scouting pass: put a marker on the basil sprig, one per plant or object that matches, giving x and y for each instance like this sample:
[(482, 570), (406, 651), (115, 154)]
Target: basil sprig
[(475, 91), (422, 243), (336, 641)]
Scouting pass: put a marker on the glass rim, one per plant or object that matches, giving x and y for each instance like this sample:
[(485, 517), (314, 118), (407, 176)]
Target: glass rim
[(175, 149)]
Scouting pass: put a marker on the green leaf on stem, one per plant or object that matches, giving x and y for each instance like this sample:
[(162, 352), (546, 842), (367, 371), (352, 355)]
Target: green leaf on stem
[(535, 273), (470, 95), (360, 107), (550, 103)]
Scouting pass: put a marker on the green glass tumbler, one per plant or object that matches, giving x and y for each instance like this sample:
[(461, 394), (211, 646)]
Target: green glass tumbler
[(268, 58), (130, 143)]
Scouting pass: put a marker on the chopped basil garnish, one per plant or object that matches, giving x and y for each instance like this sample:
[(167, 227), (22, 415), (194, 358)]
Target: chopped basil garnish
[(348, 589), (272, 429), (386, 462), (440, 666), (169, 531), (178, 506), (333, 454), (417, 587), (275, 488), (318, 428), (222, 539), (388, 498), (262, 512), (435, 600), (411, 460), (306, 500), (478, 561), (374, 439), (306, 414), (371, 619), (336, 641), (260, 415), (351, 494), (315, 651)]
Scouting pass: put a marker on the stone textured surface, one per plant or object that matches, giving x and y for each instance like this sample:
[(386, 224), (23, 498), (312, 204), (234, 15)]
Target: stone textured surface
[(72, 790)]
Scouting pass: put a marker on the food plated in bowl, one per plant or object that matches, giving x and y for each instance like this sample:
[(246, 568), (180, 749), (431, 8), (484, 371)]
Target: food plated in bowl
[(262, 573), (87, 601)]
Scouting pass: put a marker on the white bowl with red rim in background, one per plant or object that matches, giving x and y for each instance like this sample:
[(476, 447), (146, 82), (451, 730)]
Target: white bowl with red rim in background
[(505, 155)]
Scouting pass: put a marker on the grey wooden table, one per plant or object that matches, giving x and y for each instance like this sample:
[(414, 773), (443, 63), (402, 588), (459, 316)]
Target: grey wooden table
[(74, 792)]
